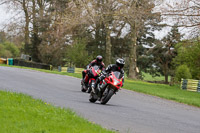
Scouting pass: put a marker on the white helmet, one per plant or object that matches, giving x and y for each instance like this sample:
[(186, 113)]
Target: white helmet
[(120, 62)]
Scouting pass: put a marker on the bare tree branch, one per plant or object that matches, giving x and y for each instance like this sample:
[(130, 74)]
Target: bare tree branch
[(4, 2)]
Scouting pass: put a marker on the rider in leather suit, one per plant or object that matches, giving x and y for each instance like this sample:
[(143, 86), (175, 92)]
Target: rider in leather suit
[(111, 68), (98, 61)]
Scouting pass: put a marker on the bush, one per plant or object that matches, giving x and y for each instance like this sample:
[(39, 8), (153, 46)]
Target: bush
[(188, 54), (8, 50), (182, 72), (77, 53)]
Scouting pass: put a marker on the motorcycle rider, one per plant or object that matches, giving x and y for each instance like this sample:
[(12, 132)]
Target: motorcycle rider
[(118, 66), (98, 61)]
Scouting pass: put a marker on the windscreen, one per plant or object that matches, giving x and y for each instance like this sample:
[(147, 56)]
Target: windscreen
[(96, 67), (117, 74)]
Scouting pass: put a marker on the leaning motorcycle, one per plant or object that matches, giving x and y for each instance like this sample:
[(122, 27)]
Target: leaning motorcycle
[(107, 88), (92, 75)]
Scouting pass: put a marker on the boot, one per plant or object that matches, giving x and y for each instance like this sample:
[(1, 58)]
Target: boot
[(82, 82), (95, 90), (83, 75)]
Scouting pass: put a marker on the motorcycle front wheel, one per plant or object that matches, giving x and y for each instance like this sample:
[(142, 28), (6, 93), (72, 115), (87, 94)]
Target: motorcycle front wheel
[(107, 95)]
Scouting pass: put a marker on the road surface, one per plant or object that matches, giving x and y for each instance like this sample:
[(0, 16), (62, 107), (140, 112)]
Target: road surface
[(126, 112)]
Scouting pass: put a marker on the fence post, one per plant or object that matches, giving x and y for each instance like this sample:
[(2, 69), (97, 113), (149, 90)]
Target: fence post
[(184, 84), (59, 68), (71, 69), (51, 67), (198, 86)]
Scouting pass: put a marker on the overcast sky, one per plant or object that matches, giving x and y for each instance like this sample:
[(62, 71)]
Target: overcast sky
[(4, 16)]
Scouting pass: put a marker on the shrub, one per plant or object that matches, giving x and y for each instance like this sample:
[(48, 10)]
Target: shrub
[(77, 53), (8, 50), (182, 71)]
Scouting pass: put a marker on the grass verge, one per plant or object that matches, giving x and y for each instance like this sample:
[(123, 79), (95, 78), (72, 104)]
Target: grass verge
[(148, 77), (164, 91), (160, 90), (20, 113)]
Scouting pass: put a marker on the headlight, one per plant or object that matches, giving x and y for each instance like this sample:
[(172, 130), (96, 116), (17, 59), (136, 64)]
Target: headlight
[(116, 82)]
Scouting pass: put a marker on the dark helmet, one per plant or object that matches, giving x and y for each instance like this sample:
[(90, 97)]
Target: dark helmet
[(99, 59), (120, 62)]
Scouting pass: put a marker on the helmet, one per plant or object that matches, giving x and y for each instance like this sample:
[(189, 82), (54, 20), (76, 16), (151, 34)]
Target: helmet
[(120, 62), (99, 59)]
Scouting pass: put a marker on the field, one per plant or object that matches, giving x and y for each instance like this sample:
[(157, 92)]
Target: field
[(22, 114), (165, 91), (148, 77)]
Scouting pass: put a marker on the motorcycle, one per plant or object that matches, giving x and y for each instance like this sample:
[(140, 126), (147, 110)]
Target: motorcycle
[(107, 88), (91, 76)]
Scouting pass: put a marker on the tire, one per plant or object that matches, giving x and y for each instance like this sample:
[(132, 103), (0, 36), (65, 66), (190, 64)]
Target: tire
[(107, 97), (93, 97), (83, 89), (89, 90)]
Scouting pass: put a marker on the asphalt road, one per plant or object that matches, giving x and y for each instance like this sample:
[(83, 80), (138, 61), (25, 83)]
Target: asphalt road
[(126, 112)]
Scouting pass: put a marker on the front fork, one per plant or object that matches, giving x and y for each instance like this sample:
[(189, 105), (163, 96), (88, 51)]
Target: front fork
[(92, 85), (107, 89)]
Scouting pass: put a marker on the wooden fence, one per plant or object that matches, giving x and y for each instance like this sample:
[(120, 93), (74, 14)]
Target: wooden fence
[(190, 85)]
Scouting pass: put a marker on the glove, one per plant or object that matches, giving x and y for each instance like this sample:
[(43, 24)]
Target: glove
[(88, 67), (103, 73)]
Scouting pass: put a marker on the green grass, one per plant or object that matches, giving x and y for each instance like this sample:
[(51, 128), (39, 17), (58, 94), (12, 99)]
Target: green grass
[(148, 77), (164, 91), (160, 90), (20, 113)]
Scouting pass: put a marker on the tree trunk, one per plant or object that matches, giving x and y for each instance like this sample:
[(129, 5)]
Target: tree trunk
[(108, 46), (35, 38), (166, 78), (41, 8), (26, 40), (132, 55), (34, 17), (166, 73)]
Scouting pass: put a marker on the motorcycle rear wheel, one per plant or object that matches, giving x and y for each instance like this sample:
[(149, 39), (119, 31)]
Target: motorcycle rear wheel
[(83, 88), (89, 89), (93, 97)]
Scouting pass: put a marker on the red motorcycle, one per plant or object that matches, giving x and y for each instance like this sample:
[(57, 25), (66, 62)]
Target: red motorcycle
[(105, 89), (90, 78)]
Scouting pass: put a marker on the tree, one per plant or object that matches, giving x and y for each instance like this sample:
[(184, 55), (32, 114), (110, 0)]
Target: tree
[(188, 54), (55, 24), (138, 14), (102, 18), (182, 72), (185, 13), (77, 54), (3, 37), (51, 31), (8, 50), (24, 6), (162, 54), (38, 16)]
